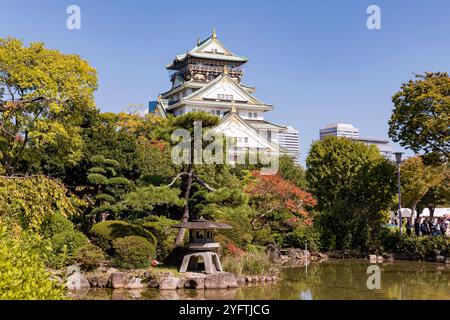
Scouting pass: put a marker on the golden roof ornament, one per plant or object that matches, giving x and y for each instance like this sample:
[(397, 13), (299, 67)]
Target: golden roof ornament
[(214, 35), (198, 41), (233, 108), (159, 98), (225, 69)]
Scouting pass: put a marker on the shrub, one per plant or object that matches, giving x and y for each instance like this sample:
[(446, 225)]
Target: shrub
[(416, 247), (255, 264), (64, 240), (232, 264), (22, 271), (133, 252), (90, 257), (104, 233), (161, 228)]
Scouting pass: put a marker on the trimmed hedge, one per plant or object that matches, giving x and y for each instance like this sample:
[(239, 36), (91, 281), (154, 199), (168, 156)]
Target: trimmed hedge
[(417, 248), (133, 252), (104, 233), (90, 257)]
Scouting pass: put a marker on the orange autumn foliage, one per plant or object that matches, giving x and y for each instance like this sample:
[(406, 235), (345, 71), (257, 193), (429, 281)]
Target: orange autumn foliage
[(273, 193)]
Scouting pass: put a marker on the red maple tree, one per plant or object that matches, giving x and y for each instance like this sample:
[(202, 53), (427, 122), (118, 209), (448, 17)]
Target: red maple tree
[(271, 194)]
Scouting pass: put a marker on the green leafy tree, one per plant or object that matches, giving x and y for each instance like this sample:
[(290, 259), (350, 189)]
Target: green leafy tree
[(26, 202), (187, 122), (419, 179), (354, 185), (43, 95), (109, 187), (421, 115), (151, 200), (291, 171)]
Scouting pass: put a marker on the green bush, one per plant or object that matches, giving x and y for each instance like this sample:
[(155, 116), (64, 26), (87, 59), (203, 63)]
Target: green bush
[(22, 271), (161, 228), (60, 233), (133, 252), (415, 247), (90, 257), (104, 233)]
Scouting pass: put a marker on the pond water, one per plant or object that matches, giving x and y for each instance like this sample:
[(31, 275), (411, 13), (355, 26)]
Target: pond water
[(334, 279)]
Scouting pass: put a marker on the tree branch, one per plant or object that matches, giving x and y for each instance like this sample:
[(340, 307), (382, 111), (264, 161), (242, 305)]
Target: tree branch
[(177, 177), (203, 183)]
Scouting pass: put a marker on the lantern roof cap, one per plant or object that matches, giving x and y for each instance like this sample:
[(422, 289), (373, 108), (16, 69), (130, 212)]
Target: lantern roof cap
[(202, 224)]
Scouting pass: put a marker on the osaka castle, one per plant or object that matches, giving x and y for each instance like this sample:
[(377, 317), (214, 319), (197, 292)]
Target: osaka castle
[(209, 78)]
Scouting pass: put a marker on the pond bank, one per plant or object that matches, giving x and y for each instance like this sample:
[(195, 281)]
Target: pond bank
[(331, 279)]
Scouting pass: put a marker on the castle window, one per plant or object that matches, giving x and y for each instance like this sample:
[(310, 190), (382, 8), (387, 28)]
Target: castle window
[(224, 96)]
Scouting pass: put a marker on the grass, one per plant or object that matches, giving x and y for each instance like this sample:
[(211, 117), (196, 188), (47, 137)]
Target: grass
[(162, 268)]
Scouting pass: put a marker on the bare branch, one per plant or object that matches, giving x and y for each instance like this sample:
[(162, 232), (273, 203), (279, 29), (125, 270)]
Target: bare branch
[(177, 177), (203, 183)]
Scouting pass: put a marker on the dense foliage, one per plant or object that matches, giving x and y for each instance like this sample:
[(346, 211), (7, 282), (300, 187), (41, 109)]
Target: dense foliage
[(70, 169), (64, 240), (354, 186), (22, 271), (44, 94), (28, 201), (133, 252), (421, 115), (104, 233)]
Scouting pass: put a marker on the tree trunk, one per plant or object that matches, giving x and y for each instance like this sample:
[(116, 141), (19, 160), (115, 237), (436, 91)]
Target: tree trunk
[(413, 216), (185, 218), (431, 208)]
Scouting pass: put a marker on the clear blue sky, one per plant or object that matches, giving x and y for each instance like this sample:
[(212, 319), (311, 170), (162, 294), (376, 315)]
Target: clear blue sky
[(315, 61)]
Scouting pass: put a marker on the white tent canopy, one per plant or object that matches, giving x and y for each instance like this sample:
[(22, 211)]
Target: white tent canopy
[(438, 212)]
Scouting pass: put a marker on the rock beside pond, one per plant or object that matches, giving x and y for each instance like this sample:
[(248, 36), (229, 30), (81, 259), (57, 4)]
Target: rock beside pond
[(153, 283), (168, 283), (274, 253), (220, 280), (135, 283), (75, 280), (298, 254), (98, 281), (194, 281), (118, 280), (240, 280)]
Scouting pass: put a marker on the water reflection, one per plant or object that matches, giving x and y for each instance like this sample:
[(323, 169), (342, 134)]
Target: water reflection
[(338, 279)]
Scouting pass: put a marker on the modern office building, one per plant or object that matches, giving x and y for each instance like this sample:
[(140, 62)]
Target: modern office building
[(289, 139), (340, 130), (347, 130)]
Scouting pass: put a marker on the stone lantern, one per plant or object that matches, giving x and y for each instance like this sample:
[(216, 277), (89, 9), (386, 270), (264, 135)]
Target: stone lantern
[(202, 247)]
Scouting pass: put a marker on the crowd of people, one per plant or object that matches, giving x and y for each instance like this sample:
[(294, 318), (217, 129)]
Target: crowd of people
[(426, 226)]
